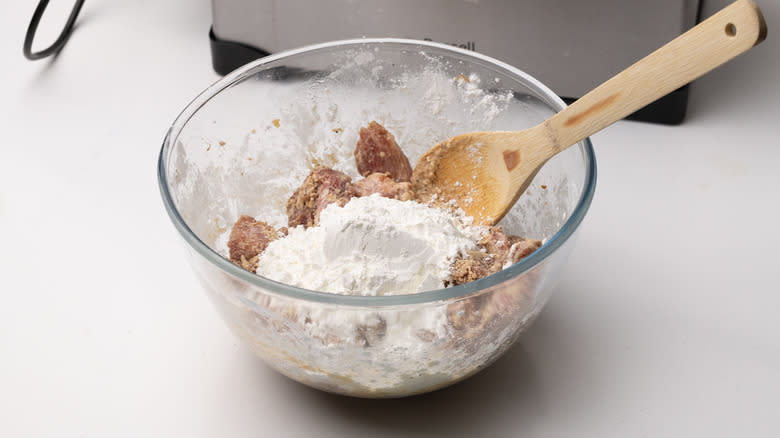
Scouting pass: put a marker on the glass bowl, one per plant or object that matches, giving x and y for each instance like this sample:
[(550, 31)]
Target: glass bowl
[(246, 142)]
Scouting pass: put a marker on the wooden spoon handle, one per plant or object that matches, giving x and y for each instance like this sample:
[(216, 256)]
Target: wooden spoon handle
[(733, 30)]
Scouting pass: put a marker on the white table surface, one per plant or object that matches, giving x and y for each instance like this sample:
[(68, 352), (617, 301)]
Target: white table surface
[(664, 324)]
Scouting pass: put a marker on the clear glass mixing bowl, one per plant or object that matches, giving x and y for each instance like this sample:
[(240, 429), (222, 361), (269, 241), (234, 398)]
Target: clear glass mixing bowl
[(245, 143)]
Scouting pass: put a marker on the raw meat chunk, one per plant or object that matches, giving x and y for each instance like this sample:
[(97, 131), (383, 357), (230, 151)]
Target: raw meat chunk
[(383, 184), (322, 187), (377, 152), (248, 239), (496, 250), (469, 316)]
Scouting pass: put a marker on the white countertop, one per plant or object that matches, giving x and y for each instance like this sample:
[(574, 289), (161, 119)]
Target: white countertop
[(664, 324)]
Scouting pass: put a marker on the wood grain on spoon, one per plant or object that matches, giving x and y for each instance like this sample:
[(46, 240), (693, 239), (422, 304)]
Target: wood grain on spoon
[(485, 172)]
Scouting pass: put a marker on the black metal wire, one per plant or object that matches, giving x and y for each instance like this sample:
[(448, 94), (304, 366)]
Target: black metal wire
[(56, 45)]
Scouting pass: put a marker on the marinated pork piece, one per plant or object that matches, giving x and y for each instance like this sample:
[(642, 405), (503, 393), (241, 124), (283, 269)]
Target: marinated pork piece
[(322, 187), (470, 315), (371, 331), (520, 247), (383, 184), (496, 249), (377, 152), (248, 239), (466, 315), (473, 266)]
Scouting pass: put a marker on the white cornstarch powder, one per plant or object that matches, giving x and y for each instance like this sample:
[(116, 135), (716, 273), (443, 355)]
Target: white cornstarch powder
[(371, 246)]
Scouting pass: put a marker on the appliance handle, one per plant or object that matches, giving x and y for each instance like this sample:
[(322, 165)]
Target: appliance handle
[(61, 40)]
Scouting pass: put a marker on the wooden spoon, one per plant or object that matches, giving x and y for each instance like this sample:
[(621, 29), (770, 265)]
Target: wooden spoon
[(485, 172)]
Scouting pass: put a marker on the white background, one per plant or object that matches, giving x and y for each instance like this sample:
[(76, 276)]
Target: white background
[(664, 324)]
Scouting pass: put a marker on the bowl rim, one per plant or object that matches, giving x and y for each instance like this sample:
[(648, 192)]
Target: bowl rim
[(454, 292)]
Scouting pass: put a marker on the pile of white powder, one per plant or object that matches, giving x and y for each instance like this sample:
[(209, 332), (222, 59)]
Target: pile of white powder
[(371, 246)]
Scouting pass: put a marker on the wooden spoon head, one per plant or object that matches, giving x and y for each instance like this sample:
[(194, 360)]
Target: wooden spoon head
[(483, 173)]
